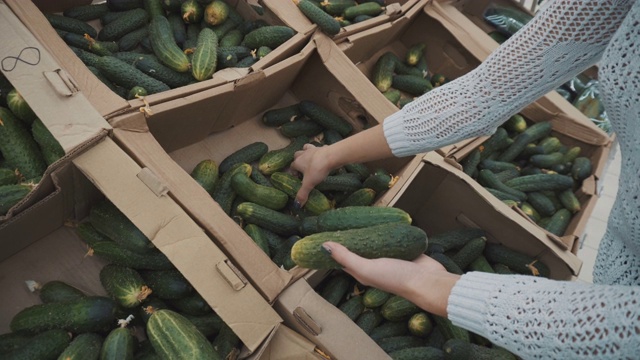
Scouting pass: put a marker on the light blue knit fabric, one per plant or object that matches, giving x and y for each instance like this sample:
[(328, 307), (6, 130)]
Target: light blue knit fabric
[(539, 318)]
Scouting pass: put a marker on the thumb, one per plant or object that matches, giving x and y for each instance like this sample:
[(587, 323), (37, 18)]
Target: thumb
[(343, 256)]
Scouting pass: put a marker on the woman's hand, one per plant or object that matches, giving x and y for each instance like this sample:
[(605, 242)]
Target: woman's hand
[(423, 281), (314, 163)]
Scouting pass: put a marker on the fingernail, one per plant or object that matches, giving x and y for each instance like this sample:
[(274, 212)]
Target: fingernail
[(325, 248), (297, 205)]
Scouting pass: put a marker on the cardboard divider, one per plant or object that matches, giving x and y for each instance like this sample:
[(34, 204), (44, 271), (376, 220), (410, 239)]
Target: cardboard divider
[(57, 253), (570, 133), (213, 124), (108, 103), (444, 53), (465, 20), (293, 17)]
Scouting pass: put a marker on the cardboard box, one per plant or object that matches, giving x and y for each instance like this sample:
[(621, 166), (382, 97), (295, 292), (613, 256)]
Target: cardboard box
[(101, 97), (293, 17), (465, 20), (105, 170), (445, 54), (51, 94), (571, 132), (215, 123)]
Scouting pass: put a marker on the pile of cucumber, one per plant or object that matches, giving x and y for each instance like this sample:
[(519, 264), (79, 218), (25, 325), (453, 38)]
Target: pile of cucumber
[(145, 292), (149, 46), (255, 187), (526, 166), (27, 147), (403, 79), (407, 332), (332, 15)]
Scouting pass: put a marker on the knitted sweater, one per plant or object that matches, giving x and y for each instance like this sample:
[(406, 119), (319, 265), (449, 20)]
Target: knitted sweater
[(533, 317)]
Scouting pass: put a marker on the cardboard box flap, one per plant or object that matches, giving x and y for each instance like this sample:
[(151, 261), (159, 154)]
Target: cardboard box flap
[(286, 344), (101, 97), (180, 239), (50, 92)]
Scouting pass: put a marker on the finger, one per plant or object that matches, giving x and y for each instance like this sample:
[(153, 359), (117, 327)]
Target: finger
[(303, 193), (297, 154), (307, 146)]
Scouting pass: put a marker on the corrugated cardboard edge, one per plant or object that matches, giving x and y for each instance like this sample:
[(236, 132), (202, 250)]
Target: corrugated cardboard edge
[(50, 92), (286, 344), (560, 250), (180, 239)]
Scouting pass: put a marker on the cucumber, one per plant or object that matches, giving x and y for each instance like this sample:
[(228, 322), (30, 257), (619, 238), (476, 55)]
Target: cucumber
[(150, 305), (167, 284), (530, 211), (380, 181), (178, 28), (417, 353), (110, 221), (533, 133), (118, 345), (389, 329), (581, 168), (521, 263), (540, 182), (11, 341), (137, 92), (205, 58), (449, 265), (193, 305), (571, 154), (151, 66), (393, 95), (270, 36), (471, 162), (128, 76), (83, 347), (125, 285), (18, 147), (10, 195), (516, 124), (327, 23), (368, 320), (569, 201), (481, 264), (90, 314), (301, 127), (360, 197), (336, 288), (122, 5), (224, 194), (357, 217), (413, 85), (317, 203), (174, 337), (496, 142), (19, 107), (382, 73), (50, 147), (206, 174), (46, 345), (8, 177), (489, 179), (247, 154), (451, 331), (209, 325), (59, 291), (191, 12), (559, 222), (497, 166), (469, 252), (395, 343), (60, 22), (164, 45), (546, 160), (342, 183), (281, 116), (255, 232), (420, 325), (374, 298), (123, 25), (414, 53), (455, 239), (352, 307), (393, 240), (277, 160), (116, 254), (541, 203), (335, 7), (266, 218), (367, 8), (325, 117), (227, 343), (508, 174), (86, 12), (216, 12)]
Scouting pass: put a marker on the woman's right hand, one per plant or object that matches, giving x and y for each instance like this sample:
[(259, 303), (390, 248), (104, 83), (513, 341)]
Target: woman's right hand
[(314, 163)]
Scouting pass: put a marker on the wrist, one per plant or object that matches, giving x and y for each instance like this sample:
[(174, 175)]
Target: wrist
[(430, 290), (332, 158)]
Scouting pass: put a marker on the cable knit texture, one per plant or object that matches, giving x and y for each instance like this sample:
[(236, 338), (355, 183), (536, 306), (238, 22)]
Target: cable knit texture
[(539, 318)]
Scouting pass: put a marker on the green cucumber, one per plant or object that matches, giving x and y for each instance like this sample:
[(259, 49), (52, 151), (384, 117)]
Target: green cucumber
[(471, 162), (13, 340), (178, 27), (167, 284), (451, 331), (84, 346), (380, 181), (60, 22), (341, 182), (317, 203), (18, 147), (374, 298), (581, 168), (227, 343), (325, 117), (533, 133), (395, 343), (174, 337), (382, 73), (247, 154), (481, 264), (360, 197), (469, 252), (352, 307), (279, 159), (420, 324), (137, 92), (124, 284), (389, 329), (205, 58), (417, 353), (488, 178), (10, 195), (559, 222), (270, 36), (414, 53), (209, 325), (224, 194), (541, 203), (369, 320), (521, 263), (413, 85), (448, 263), (256, 234), (357, 217), (89, 314), (530, 211), (164, 45), (151, 66), (86, 12), (110, 221), (45, 345), (516, 124), (546, 160), (193, 304), (300, 127), (206, 174), (325, 21), (123, 25), (496, 142), (8, 177), (59, 291), (118, 345), (216, 12), (336, 288), (281, 116), (394, 240), (569, 201), (497, 166), (51, 149), (128, 76), (116, 254), (540, 182), (191, 12), (367, 8), (19, 107), (279, 223), (269, 197), (455, 239)]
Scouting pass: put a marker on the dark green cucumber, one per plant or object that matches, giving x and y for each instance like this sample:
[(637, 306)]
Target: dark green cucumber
[(572, 154), (206, 174), (191, 11), (327, 23), (455, 239), (417, 353), (87, 43), (128, 76), (118, 345), (300, 127), (178, 27), (110, 221), (374, 298), (336, 288), (209, 325), (281, 116), (447, 263), (193, 305), (530, 211), (368, 8), (89, 314), (559, 222), (45, 345), (325, 117), (83, 347), (19, 106), (255, 233), (469, 252), (393, 95), (227, 343), (116, 254), (86, 12), (481, 264), (341, 182), (150, 305), (10, 195), (389, 329), (352, 307), (581, 168), (369, 320), (18, 147), (360, 197), (271, 220), (167, 284), (382, 73), (276, 160), (533, 133), (164, 45), (357, 168), (540, 182), (394, 240), (521, 263), (122, 5), (174, 337), (395, 343), (76, 26), (420, 324), (51, 149), (124, 284), (269, 197), (516, 124), (508, 174), (488, 178), (413, 85), (137, 92), (541, 203), (451, 331), (224, 194), (123, 25), (13, 340), (205, 56), (497, 166), (471, 162), (270, 36), (317, 203), (356, 217), (59, 291), (247, 154), (569, 201), (496, 142), (414, 53), (8, 177), (501, 195), (546, 160), (151, 66)]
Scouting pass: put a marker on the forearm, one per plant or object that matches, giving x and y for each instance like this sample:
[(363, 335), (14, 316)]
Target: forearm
[(367, 145)]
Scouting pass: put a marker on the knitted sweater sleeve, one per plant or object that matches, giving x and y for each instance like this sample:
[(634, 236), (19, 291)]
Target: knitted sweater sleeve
[(537, 318), (563, 39)]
